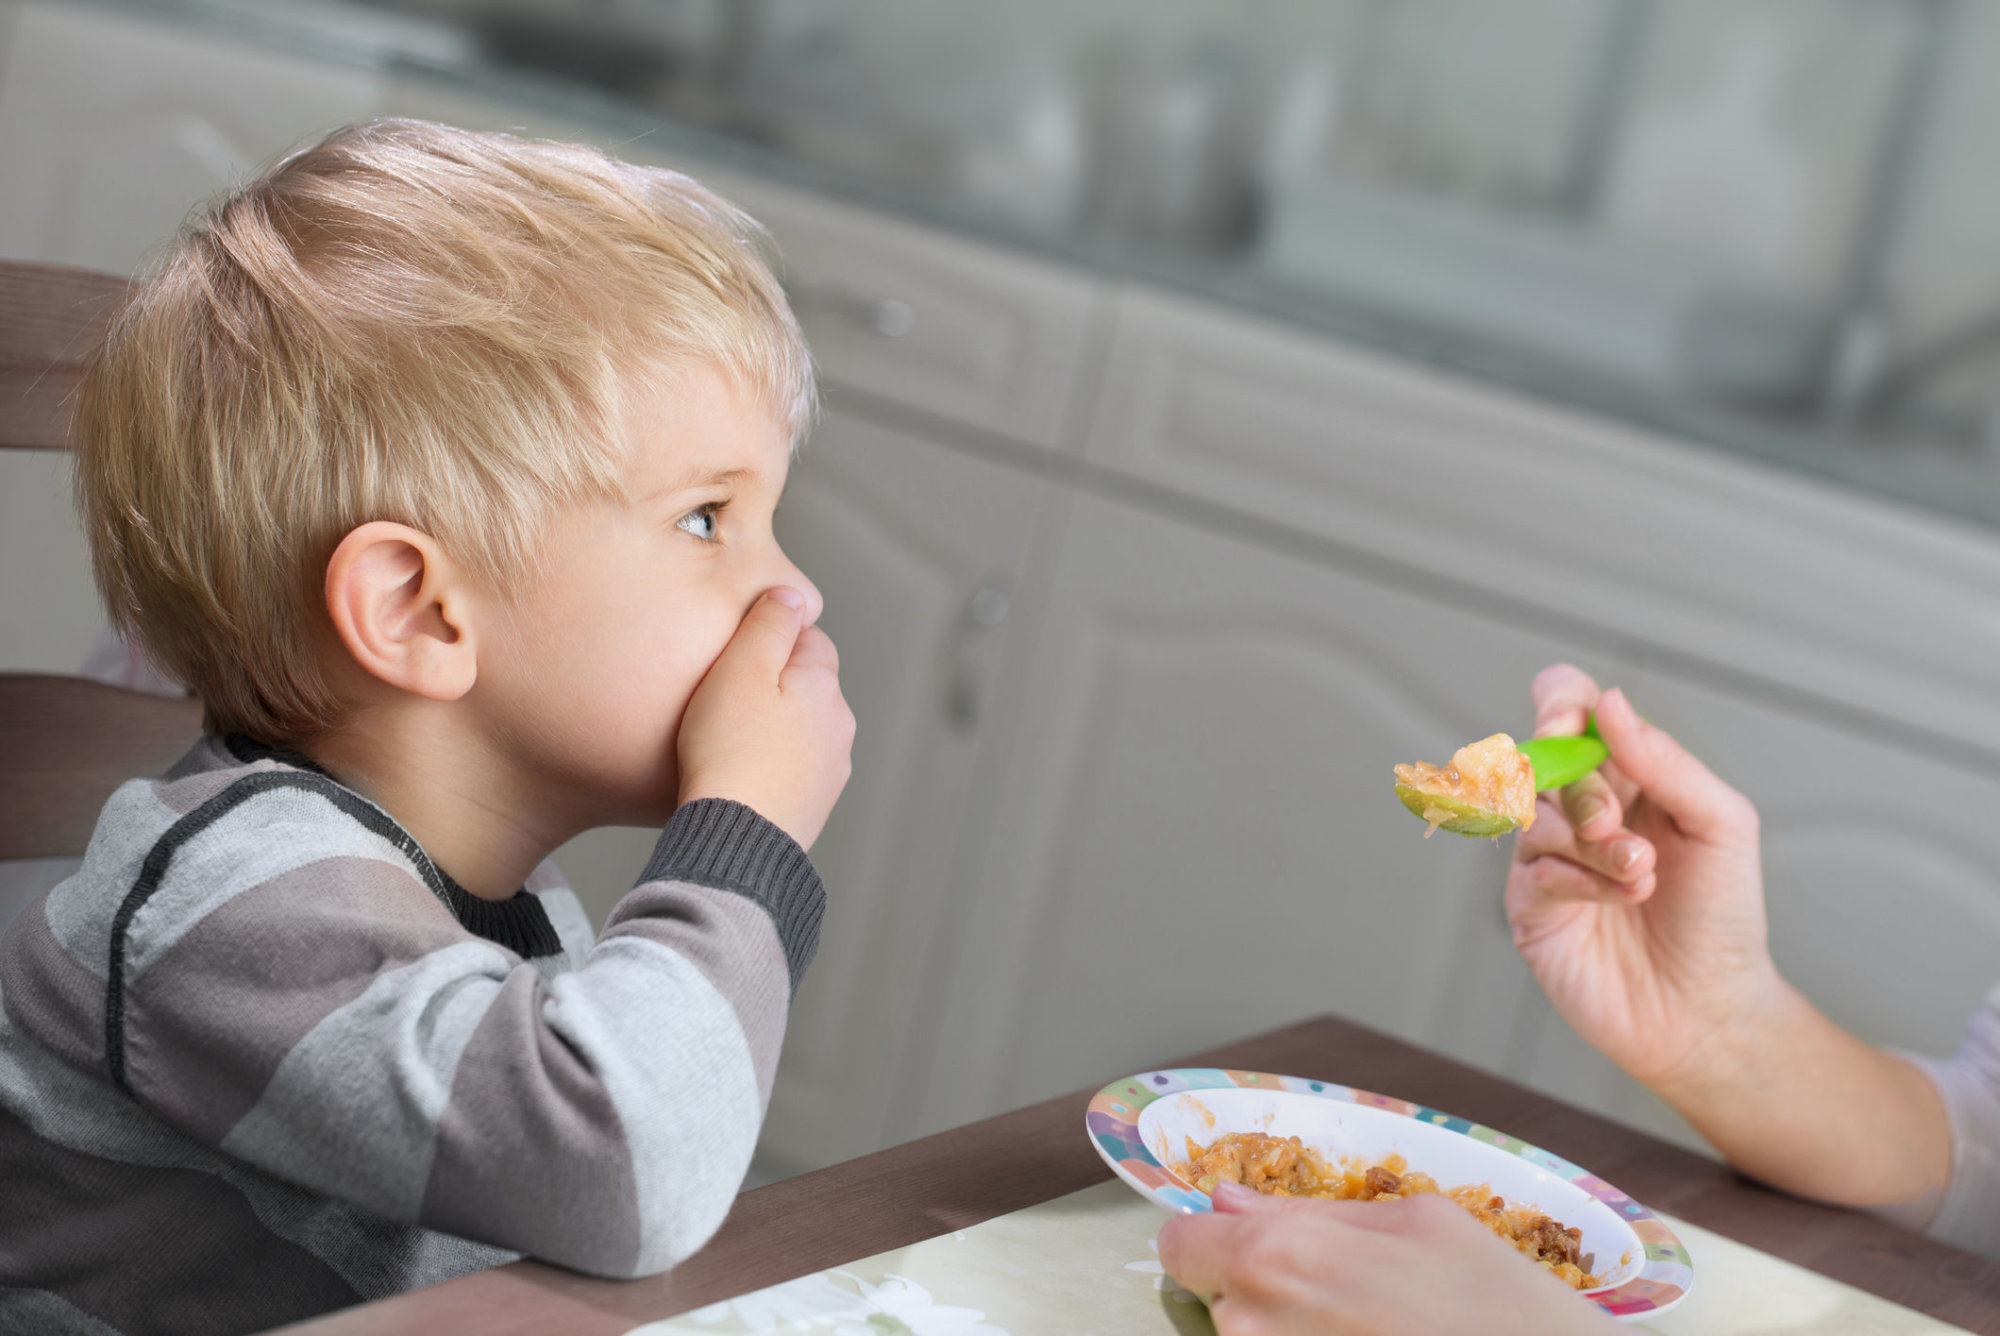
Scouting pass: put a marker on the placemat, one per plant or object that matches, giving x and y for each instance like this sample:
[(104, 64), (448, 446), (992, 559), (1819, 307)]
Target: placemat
[(1085, 1265)]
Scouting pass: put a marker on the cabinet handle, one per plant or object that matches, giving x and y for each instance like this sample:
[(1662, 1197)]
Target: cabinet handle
[(890, 317), (984, 612)]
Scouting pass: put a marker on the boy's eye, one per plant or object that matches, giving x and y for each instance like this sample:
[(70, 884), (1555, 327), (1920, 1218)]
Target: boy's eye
[(700, 522)]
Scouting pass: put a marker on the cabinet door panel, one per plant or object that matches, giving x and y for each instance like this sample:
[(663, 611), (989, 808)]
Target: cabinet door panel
[(1195, 836), (901, 536)]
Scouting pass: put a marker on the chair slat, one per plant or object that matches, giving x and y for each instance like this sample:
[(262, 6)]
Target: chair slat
[(50, 319), (66, 743)]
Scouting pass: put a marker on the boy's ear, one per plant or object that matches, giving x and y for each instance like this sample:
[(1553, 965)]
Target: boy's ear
[(403, 610)]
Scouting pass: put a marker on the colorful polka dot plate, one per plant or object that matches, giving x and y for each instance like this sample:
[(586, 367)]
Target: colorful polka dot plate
[(1142, 1123)]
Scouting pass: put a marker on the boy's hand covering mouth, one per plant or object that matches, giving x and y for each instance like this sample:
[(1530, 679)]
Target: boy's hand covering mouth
[(768, 727)]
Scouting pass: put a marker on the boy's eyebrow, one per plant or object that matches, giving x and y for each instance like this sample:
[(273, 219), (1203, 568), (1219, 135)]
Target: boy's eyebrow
[(687, 482)]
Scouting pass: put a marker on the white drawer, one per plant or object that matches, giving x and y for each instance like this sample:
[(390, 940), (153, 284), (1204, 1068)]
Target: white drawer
[(1882, 616), (893, 309)]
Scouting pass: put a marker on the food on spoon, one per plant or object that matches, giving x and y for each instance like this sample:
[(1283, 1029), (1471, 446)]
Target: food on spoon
[(1287, 1167), (1486, 788)]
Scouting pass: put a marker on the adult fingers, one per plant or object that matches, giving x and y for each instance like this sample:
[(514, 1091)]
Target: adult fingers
[(1564, 697), (1235, 1199), (1552, 880), (1198, 1251), (1698, 803), (1256, 1255), (1593, 808), (1618, 856)]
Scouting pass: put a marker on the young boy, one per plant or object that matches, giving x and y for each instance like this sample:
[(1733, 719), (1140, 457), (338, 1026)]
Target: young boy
[(441, 466)]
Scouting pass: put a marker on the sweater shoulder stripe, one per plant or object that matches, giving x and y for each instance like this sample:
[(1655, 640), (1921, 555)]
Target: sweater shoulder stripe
[(519, 924)]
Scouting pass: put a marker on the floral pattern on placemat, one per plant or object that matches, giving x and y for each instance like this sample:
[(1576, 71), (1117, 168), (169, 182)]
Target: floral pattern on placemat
[(837, 1303)]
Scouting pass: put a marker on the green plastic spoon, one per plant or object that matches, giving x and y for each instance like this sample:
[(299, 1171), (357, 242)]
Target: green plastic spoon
[(1561, 762), (1558, 763)]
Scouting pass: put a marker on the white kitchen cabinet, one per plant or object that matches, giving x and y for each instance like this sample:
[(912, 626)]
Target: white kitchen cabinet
[(1889, 617), (918, 550), (1193, 835), (113, 127)]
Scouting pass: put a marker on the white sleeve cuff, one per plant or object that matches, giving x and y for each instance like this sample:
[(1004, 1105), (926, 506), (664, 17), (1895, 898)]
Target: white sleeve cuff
[(1967, 1213)]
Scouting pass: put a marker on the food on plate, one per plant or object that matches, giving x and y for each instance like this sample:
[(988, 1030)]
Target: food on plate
[(1486, 788), (1287, 1167)]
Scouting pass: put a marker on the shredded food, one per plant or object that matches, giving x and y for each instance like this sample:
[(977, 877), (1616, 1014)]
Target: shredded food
[(1490, 774), (1286, 1167)]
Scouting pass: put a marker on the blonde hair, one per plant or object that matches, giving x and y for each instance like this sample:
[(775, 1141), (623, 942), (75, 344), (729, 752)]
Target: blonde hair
[(403, 321)]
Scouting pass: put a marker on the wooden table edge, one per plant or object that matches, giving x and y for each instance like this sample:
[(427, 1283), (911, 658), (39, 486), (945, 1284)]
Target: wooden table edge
[(865, 1206)]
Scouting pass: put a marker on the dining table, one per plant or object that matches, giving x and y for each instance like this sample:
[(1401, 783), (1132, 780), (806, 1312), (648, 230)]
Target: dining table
[(957, 1179)]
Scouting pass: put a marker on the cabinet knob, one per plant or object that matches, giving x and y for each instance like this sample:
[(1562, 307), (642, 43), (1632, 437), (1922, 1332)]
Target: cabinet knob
[(890, 317), (984, 613)]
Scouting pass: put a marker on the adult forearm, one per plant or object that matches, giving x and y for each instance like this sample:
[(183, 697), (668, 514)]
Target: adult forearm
[(1794, 1100)]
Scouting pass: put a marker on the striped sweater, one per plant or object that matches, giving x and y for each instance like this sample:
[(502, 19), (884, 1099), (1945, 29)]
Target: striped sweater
[(259, 1058)]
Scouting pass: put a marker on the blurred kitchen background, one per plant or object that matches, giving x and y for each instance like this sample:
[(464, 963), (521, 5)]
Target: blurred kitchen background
[(1224, 402)]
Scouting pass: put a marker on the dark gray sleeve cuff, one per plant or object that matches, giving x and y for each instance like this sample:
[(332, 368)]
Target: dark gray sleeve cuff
[(722, 844)]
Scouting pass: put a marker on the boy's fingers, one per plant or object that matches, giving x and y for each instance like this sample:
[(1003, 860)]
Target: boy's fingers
[(815, 649), (769, 632), (1564, 697), (1701, 805)]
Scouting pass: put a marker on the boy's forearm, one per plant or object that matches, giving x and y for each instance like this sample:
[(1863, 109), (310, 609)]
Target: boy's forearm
[(1794, 1100)]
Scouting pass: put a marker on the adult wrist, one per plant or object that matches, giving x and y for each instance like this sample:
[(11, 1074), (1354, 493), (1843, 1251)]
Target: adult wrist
[(1734, 1056)]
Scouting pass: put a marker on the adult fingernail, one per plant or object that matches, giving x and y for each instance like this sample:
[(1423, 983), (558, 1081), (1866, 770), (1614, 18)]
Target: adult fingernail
[(1236, 1197), (1589, 810), (789, 596)]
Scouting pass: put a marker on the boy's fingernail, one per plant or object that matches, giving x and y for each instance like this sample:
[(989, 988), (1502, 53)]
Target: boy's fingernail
[(1624, 854), (789, 596), (1589, 810)]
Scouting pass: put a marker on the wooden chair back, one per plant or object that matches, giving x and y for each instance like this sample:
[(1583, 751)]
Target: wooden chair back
[(65, 742)]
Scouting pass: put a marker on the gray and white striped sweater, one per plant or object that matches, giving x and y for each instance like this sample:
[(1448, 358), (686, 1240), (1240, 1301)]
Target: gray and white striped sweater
[(260, 1059)]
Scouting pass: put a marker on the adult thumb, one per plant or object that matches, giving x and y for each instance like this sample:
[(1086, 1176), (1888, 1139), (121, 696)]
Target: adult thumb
[(1236, 1199), (1700, 803)]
